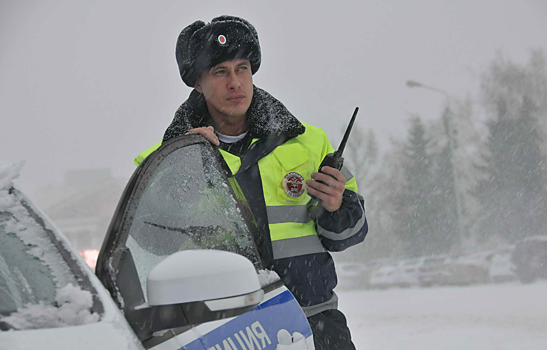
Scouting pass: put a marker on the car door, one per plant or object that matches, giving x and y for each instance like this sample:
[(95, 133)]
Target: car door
[(179, 199)]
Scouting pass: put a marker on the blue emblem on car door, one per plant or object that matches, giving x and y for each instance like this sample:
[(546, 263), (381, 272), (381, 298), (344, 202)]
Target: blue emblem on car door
[(278, 319)]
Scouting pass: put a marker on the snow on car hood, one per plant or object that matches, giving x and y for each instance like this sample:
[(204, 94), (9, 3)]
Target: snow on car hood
[(73, 308)]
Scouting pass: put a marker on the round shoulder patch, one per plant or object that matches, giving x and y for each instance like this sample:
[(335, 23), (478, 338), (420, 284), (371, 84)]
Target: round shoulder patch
[(221, 39), (293, 184)]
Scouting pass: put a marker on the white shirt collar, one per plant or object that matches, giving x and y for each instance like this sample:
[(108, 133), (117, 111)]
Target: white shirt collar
[(230, 139)]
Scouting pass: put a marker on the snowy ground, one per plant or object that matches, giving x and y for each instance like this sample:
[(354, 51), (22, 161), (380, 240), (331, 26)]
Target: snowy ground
[(508, 316)]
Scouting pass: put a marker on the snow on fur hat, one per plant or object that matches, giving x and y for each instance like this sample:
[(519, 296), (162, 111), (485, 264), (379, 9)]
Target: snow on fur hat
[(201, 46)]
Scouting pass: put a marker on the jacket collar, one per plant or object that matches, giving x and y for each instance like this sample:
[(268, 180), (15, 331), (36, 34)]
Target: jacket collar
[(268, 117)]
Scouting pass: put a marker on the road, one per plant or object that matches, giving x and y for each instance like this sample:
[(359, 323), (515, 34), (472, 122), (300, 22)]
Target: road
[(507, 316)]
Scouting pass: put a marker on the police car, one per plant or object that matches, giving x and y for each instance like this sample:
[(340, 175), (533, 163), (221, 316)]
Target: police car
[(181, 263)]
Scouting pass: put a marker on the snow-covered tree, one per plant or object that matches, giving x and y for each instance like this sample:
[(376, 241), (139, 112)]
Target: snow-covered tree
[(417, 200), (513, 192), (444, 195), (456, 170)]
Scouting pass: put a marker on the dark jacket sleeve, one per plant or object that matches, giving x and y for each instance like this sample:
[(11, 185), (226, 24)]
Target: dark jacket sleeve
[(345, 227)]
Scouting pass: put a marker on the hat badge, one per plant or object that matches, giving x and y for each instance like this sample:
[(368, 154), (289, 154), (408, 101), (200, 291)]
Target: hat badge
[(221, 39), (293, 184)]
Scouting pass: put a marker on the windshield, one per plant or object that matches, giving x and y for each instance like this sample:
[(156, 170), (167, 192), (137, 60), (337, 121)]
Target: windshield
[(37, 286), (185, 204), (24, 278)]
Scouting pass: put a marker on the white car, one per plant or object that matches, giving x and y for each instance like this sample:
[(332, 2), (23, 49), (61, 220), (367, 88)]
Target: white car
[(384, 277), (407, 272), (431, 271), (49, 299), (465, 270), (180, 260)]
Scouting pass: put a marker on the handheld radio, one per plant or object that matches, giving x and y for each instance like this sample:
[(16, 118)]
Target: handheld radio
[(335, 160)]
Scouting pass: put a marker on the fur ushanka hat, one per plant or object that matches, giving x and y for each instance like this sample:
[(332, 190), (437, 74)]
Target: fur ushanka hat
[(201, 46)]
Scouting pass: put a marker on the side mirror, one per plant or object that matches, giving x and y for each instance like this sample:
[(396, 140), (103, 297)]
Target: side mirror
[(222, 280), (196, 286)]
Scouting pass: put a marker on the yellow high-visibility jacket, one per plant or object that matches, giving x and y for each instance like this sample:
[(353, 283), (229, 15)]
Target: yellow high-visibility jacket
[(293, 230)]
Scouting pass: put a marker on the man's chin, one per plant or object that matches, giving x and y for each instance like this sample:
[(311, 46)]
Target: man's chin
[(235, 113)]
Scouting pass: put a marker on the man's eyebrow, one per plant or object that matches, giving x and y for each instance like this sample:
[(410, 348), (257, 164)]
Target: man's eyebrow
[(223, 66), (217, 67), (243, 63)]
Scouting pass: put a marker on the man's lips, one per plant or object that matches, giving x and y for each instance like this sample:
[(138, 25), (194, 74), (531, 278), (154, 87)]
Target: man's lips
[(236, 98)]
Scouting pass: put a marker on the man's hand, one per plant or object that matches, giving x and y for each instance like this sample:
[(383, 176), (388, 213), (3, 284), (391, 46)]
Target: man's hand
[(207, 132), (331, 195)]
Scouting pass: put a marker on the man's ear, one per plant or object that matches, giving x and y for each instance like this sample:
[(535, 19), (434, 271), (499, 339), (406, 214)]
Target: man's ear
[(197, 86)]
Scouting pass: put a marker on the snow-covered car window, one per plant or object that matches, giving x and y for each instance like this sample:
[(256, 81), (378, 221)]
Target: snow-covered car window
[(24, 278), (38, 288), (185, 204)]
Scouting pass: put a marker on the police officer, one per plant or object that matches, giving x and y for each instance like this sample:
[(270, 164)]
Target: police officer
[(275, 159)]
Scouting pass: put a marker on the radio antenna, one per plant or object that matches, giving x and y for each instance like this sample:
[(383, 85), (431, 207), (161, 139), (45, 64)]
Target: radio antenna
[(346, 135)]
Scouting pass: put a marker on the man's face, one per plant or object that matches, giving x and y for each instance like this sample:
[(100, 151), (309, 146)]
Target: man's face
[(228, 88)]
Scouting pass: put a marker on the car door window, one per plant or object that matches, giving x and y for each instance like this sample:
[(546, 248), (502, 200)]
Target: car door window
[(180, 200), (185, 205)]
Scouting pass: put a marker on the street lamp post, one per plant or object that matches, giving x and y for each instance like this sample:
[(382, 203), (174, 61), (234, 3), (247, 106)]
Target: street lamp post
[(447, 119)]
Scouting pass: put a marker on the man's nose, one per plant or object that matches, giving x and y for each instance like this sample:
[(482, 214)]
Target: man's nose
[(233, 81)]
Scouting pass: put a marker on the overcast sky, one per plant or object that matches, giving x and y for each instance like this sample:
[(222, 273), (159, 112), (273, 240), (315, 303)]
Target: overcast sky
[(91, 84)]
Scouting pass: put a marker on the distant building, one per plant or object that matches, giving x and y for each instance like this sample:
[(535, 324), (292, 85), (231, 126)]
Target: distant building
[(83, 206)]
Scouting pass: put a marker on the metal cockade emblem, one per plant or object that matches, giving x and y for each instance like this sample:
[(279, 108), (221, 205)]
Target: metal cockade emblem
[(221, 39), (293, 184)]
